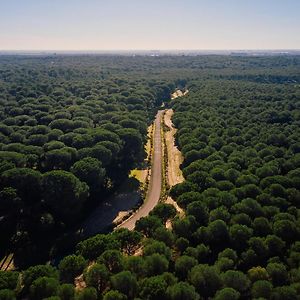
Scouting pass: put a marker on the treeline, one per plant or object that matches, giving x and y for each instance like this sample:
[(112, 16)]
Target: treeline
[(68, 138)]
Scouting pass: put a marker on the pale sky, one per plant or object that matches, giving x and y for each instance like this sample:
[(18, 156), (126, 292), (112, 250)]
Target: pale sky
[(149, 24)]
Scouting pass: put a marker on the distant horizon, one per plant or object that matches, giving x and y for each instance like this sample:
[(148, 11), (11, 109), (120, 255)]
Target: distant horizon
[(135, 25), (155, 52), (151, 50)]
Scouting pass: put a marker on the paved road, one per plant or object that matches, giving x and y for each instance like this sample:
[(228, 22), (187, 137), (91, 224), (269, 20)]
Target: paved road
[(154, 191)]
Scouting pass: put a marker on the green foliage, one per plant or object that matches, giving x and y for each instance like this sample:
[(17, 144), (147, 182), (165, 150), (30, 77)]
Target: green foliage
[(114, 295), (153, 247), (89, 293), (93, 247), (66, 291), (8, 280), (63, 190), (97, 276), (216, 233), (112, 259), (7, 294), (70, 267), (129, 240), (156, 264), (164, 211), (227, 294), (147, 225), (182, 244), (35, 272), (182, 227), (257, 274), (136, 265), (43, 287), (236, 280), (183, 265), (164, 235), (125, 282), (277, 273), (261, 288), (284, 292), (153, 288), (206, 280), (182, 290), (89, 170), (27, 182), (69, 135), (240, 234), (72, 119), (199, 211)]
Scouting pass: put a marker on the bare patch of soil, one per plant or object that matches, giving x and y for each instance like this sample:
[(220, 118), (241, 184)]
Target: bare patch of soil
[(179, 93), (174, 155), (7, 263), (175, 159)]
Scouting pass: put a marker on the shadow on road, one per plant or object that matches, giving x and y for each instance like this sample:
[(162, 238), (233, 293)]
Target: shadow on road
[(125, 198)]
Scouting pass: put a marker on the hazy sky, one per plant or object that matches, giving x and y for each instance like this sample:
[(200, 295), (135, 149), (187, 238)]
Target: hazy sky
[(149, 24)]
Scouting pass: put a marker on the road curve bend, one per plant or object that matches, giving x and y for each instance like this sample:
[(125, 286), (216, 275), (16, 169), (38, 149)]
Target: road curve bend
[(154, 190)]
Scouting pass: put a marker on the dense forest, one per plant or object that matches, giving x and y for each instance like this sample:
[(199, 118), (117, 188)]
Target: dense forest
[(73, 126), (69, 134)]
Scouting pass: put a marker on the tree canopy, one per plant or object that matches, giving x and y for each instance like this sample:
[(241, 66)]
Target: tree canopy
[(71, 128)]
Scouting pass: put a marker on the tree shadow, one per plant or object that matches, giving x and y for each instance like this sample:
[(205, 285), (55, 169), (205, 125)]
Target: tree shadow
[(126, 197)]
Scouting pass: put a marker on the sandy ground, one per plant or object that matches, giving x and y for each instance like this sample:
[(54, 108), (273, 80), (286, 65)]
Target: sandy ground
[(148, 144), (179, 93), (7, 263), (121, 216), (174, 155), (174, 158), (79, 283), (139, 174)]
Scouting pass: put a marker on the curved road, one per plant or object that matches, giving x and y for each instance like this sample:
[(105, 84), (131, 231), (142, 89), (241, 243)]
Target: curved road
[(154, 190)]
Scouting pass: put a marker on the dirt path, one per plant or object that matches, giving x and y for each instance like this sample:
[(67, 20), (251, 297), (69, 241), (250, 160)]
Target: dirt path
[(174, 157), (154, 191)]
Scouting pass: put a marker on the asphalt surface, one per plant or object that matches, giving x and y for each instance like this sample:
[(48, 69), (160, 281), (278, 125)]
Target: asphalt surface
[(154, 190)]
